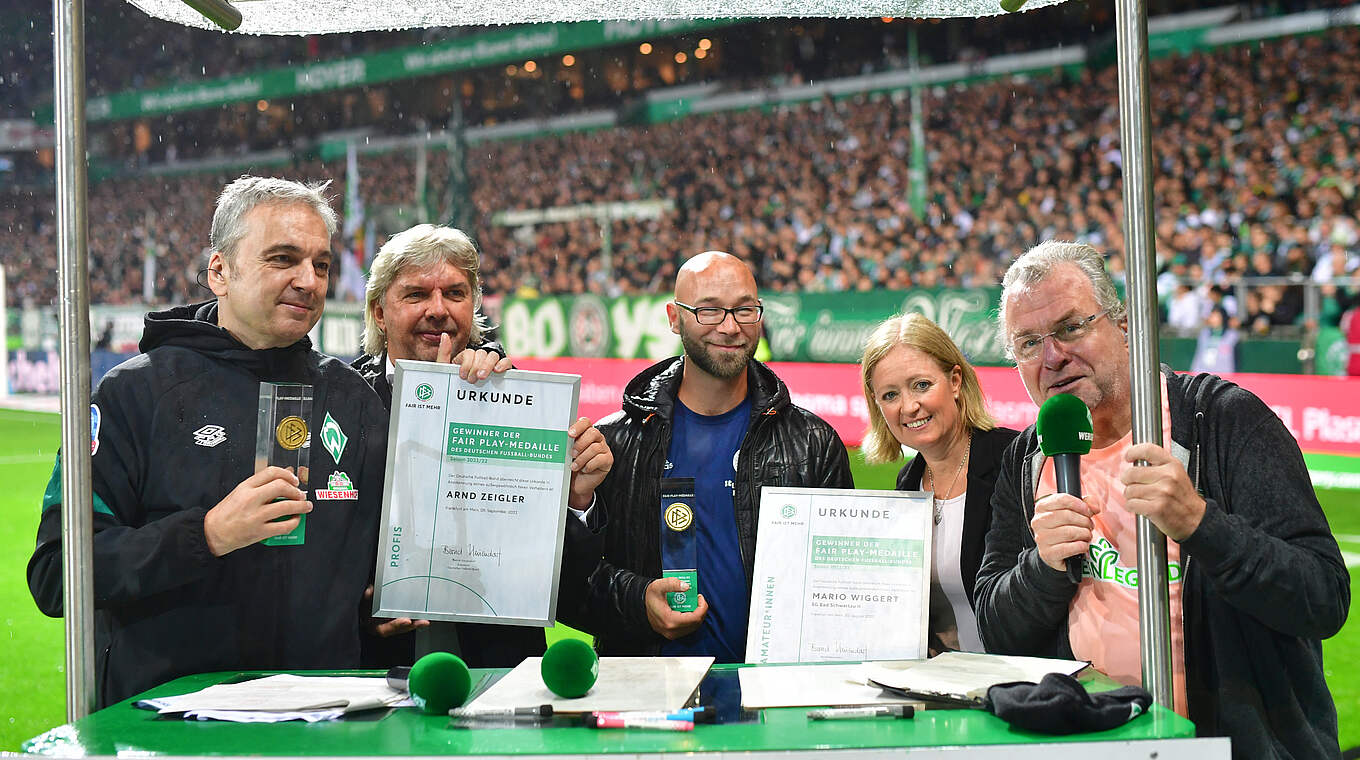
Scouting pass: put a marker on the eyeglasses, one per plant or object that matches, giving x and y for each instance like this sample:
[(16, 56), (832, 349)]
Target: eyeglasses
[(716, 315), (1027, 348)]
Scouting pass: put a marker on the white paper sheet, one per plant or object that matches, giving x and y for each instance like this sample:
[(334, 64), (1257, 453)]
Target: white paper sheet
[(624, 683), (966, 675), (286, 693), (812, 686)]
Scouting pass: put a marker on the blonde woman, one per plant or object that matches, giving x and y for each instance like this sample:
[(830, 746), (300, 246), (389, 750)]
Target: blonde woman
[(923, 394)]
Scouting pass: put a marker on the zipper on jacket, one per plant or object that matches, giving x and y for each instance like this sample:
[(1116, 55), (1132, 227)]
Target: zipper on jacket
[(749, 486), (1195, 443)]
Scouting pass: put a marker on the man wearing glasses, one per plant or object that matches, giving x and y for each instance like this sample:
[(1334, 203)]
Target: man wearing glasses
[(718, 416), (1256, 579)]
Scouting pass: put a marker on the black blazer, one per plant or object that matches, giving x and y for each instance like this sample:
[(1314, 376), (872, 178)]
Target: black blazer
[(983, 463)]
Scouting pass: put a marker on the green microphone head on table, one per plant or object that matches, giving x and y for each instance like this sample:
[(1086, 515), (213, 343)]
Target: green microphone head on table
[(439, 681), (1064, 426), (570, 668)]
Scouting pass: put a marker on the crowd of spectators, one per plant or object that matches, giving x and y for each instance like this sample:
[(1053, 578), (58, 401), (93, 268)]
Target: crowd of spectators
[(127, 50), (1257, 156), (1256, 163)]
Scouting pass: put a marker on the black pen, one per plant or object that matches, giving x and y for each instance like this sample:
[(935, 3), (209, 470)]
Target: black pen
[(851, 713), (512, 713)]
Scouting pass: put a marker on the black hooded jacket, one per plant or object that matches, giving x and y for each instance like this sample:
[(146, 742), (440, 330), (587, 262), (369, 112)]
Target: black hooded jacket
[(785, 445), (173, 434)]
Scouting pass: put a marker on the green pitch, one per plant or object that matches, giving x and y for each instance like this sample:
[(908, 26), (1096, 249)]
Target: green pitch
[(31, 644)]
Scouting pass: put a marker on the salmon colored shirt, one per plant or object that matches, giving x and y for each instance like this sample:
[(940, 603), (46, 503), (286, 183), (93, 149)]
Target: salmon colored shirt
[(1102, 621)]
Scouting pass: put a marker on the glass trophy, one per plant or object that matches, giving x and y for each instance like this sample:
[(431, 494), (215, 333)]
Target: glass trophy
[(282, 439), (679, 541)]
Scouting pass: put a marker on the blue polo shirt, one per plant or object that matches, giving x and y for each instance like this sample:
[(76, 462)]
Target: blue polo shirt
[(705, 448)]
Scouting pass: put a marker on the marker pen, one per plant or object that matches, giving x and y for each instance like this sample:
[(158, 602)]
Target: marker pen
[(692, 714), (654, 724), (542, 711), (851, 713)]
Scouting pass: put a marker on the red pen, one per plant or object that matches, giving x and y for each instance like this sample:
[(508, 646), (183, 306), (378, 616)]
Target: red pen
[(651, 723)]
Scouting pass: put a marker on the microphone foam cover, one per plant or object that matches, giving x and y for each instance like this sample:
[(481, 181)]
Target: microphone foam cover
[(438, 682), (1011, 6), (1064, 426), (570, 668)]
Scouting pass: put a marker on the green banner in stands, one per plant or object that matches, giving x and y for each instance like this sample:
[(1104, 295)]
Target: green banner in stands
[(804, 327), (498, 46)]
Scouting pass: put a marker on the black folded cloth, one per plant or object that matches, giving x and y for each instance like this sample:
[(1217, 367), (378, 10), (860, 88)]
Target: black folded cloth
[(1060, 705)]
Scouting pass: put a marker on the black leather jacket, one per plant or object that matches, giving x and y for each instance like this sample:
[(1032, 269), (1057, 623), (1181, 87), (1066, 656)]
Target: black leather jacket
[(785, 445)]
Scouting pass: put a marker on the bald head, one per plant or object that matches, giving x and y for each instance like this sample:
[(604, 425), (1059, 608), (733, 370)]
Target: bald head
[(710, 284), (712, 273)]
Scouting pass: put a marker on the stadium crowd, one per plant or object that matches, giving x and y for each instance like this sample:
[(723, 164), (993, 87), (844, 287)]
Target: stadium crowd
[(1256, 149)]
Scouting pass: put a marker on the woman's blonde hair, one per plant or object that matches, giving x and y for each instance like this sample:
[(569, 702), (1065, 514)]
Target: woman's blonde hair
[(918, 332)]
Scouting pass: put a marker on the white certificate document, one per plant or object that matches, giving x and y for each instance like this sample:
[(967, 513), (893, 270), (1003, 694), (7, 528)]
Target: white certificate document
[(840, 574), (475, 497)]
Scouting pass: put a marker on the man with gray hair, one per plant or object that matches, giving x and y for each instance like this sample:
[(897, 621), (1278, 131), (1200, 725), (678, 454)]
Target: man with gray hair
[(1256, 578), (423, 302), (184, 579)]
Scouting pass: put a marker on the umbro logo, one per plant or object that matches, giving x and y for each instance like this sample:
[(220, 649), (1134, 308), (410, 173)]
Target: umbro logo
[(210, 435)]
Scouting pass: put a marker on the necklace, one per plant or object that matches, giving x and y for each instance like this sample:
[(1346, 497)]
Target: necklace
[(967, 449)]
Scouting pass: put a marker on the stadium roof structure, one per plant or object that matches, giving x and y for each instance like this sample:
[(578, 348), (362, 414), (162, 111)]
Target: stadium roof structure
[(327, 16)]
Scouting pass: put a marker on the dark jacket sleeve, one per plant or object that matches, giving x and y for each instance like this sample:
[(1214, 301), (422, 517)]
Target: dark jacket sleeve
[(135, 556), (828, 448), (1021, 603), (1264, 543), (613, 606), (583, 546), (617, 607)]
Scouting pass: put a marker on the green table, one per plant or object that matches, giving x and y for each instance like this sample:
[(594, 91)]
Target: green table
[(125, 730)]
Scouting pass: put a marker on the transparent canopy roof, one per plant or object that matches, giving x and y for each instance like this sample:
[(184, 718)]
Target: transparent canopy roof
[(326, 16)]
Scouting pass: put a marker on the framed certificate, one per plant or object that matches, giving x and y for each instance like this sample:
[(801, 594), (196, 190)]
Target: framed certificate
[(840, 574), (475, 499)]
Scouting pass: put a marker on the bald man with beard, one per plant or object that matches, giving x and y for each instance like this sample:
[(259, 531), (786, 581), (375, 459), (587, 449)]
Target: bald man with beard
[(716, 415)]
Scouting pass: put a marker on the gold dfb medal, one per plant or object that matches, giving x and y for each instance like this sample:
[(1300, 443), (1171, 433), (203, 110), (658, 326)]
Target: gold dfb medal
[(291, 433), (679, 516)]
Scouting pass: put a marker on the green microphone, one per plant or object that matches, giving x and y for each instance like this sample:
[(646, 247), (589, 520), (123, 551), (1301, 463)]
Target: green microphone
[(1011, 6), (1065, 433), (438, 682), (570, 668)]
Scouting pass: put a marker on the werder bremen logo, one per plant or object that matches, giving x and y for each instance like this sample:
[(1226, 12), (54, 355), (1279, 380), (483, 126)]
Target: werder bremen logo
[(424, 392), (333, 438)]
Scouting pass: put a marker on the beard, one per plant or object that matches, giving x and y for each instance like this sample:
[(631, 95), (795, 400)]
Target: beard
[(724, 366)]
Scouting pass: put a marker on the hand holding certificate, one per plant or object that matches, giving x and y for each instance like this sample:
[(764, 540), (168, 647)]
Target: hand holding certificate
[(477, 486)]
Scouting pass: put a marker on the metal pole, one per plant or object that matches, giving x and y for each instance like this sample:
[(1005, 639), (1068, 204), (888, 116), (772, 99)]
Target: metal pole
[(4, 338), (460, 195), (1312, 313), (606, 222), (917, 172), (74, 294), (1134, 132)]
